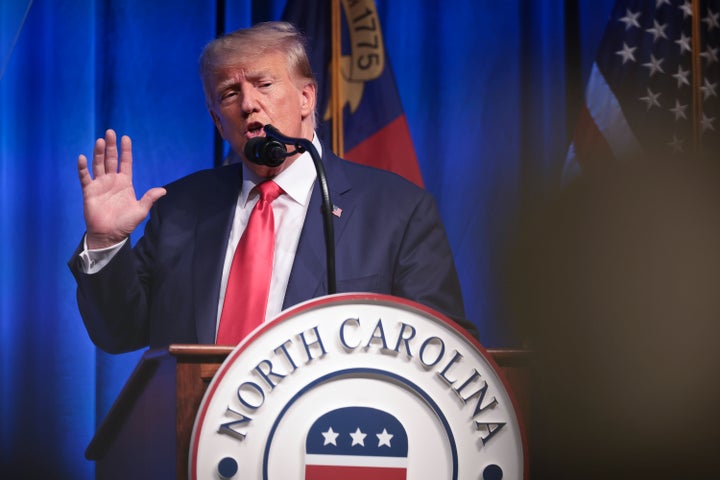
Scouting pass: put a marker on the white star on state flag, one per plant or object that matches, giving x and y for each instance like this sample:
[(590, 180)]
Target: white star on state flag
[(330, 437), (384, 438), (358, 438)]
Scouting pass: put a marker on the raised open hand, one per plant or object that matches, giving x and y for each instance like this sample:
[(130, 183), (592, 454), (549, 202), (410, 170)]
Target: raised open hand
[(112, 211)]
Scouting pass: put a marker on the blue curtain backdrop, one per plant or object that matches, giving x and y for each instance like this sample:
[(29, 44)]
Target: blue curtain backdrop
[(490, 89)]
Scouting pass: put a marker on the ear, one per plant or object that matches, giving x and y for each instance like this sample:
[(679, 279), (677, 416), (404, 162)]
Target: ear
[(218, 123), (308, 99)]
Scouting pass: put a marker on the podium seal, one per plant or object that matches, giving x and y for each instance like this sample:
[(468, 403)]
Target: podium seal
[(358, 386)]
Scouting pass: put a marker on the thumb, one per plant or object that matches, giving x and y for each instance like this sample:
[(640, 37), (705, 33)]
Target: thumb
[(151, 196)]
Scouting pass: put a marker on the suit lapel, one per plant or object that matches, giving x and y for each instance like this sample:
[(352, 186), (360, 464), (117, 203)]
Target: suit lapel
[(308, 278), (211, 236)]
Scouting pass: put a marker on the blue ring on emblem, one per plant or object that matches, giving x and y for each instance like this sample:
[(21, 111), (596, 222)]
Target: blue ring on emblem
[(365, 372)]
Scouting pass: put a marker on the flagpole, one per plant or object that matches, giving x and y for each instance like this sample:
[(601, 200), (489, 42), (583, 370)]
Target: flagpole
[(696, 77), (335, 80)]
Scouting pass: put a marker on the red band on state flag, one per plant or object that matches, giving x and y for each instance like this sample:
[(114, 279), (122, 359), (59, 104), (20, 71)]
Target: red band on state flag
[(397, 152)]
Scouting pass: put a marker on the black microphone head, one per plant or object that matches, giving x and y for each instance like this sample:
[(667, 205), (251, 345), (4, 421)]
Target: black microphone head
[(265, 151)]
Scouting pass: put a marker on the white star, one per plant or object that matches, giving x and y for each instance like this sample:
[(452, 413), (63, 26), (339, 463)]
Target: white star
[(712, 20), (658, 30), (686, 9), (630, 19), (684, 43), (626, 53), (384, 438), (707, 123), (681, 76), (676, 144), (330, 437), (659, 3), (679, 110), (655, 65), (708, 89), (358, 438), (710, 54), (651, 99)]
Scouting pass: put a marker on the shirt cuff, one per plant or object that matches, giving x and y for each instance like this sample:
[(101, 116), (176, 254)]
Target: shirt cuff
[(92, 261)]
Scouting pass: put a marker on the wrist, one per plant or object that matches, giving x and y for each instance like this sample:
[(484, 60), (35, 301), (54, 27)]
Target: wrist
[(95, 241)]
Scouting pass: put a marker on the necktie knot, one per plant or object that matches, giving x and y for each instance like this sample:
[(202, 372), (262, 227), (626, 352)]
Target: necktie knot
[(269, 191)]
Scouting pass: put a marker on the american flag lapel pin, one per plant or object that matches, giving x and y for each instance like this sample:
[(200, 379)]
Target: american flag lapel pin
[(337, 211)]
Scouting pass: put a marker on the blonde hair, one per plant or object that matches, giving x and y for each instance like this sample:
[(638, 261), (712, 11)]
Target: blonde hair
[(260, 39)]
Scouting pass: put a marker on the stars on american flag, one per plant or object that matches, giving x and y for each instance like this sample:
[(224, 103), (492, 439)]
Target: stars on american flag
[(630, 19), (627, 53), (657, 30), (682, 76), (651, 99), (645, 94), (711, 20), (654, 65), (708, 89), (658, 40)]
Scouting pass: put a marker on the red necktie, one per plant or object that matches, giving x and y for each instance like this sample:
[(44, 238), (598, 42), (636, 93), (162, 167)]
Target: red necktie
[(248, 285)]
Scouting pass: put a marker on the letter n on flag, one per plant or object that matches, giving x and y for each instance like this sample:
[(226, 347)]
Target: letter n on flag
[(375, 130)]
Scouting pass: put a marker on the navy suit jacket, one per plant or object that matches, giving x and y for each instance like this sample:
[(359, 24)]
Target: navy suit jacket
[(389, 239)]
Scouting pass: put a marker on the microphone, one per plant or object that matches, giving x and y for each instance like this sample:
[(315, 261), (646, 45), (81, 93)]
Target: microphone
[(265, 151)]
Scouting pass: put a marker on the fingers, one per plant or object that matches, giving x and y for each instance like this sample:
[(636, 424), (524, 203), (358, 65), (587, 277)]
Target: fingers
[(98, 162), (125, 155), (111, 151), (83, 173), (105, 155)]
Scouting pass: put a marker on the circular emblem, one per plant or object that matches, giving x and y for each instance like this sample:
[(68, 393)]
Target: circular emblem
[(358, 386)]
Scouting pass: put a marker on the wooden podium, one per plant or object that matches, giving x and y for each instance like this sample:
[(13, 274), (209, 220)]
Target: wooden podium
[(146, 433)]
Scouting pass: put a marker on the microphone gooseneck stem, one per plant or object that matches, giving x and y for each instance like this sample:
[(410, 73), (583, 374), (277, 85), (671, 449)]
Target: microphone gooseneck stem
[(302, 144)]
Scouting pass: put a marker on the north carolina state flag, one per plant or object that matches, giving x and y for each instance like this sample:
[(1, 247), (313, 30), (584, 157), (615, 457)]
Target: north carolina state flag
[(375, 128), (356, 443)]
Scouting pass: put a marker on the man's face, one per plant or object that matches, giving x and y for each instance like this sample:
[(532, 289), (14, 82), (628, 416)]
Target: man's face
[(249, 95)]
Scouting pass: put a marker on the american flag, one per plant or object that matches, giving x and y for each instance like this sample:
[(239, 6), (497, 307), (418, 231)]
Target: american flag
[(356, 443), (638, 100)]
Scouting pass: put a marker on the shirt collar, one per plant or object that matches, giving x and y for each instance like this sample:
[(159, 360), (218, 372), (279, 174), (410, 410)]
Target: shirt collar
[(296, 180)]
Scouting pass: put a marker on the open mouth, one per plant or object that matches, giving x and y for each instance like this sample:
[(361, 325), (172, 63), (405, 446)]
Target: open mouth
[(255, 129)]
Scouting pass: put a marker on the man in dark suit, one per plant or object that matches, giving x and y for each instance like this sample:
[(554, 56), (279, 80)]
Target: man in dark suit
[(171, 287)]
